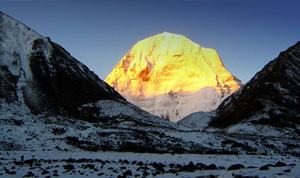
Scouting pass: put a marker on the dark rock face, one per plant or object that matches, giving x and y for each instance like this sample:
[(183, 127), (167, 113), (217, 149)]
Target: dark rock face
[(7, 85), (272, 95), (8, 81), (63, 80), (236, 167), (280, 164), (43, 75)]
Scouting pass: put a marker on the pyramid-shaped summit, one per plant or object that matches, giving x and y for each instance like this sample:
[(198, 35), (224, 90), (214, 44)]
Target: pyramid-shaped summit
[(171, 76)]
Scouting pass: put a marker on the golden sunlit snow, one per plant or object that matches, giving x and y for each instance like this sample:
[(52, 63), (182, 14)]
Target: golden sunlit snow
[(169, 63)]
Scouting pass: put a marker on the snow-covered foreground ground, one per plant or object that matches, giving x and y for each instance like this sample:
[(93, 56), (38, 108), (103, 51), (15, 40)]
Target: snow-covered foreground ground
[(117, 164)]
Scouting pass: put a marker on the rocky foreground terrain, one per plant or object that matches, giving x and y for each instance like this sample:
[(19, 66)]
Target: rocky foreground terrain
[(113, 164)]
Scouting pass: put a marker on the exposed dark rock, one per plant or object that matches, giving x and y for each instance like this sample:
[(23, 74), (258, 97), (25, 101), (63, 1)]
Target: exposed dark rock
[(145, 173), (127, 173), (211, 167), (18, 122), (65, 81), (123, 167), (265, 167), (140, 163), (200, 166), (58, 131), (188, 168), (251, 167), (45, 172), (280, 164), (100, 174), (236, 167), (29, 174), (172, 171), (30, 161), (221, 167), (8, 84), (89, 166), (143, 167), (7, 171), (159, 167), (172, 165), (273, 93), (68, 167), (9, 146)]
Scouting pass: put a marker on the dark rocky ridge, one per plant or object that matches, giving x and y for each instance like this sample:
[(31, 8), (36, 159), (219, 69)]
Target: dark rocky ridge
[(272, 96), (58, 82), (71, 83)]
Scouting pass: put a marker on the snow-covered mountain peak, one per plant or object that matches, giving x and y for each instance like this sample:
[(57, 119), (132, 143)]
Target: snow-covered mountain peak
[(167, 33), (171, 70)]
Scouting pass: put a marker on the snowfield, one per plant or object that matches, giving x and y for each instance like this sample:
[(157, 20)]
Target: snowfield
[(115, 164), (41, 146)]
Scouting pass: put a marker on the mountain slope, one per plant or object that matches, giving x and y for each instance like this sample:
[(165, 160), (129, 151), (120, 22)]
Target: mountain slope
[(197, 120), (50, 102), (43, 87), (170, 70), (40, 73), (270, 98)]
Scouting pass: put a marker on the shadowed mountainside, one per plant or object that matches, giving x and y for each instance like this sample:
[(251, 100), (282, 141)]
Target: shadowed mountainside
[(271, 97)]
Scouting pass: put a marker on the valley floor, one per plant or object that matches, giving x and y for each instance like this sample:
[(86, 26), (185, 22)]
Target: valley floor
[(117, 164)]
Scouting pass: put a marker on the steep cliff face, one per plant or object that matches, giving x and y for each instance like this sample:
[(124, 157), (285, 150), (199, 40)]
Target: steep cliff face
[(42, 75), (270, 98), (171, 71)]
